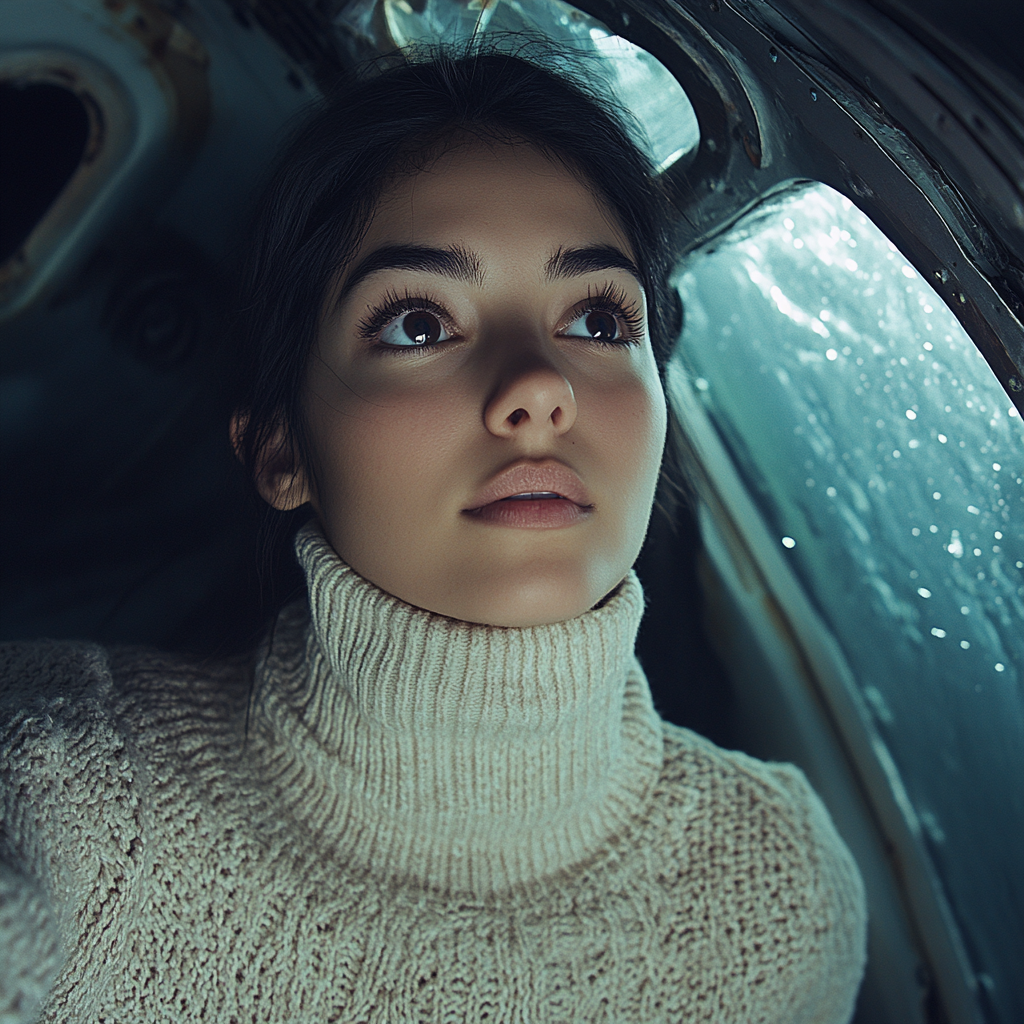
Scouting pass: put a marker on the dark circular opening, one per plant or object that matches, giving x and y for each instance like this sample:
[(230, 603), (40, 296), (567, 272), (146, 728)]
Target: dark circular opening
[(43, 133)]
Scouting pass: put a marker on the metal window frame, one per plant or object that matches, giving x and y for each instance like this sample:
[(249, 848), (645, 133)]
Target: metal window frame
[(928, 141)]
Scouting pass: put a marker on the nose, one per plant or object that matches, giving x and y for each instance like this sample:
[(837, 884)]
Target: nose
[(537, 401)]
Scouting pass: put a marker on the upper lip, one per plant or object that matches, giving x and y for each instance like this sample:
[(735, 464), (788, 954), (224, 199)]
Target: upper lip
[(526, 477)]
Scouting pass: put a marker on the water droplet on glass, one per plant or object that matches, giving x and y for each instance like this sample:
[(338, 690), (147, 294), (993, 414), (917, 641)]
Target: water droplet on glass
[(1000, 667), (924, 591), (940, 633), (788, 542), (814, 95), (965, 644)]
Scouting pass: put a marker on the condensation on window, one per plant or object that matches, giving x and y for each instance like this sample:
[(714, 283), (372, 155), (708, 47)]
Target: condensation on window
[(634, 79), (889, 463)]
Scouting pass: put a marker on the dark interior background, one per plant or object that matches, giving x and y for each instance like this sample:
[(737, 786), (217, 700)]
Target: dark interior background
[(993, 28)]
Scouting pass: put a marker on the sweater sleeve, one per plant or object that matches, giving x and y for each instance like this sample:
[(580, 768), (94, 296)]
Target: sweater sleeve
[(841, 908), (29, 948), (66, 802)]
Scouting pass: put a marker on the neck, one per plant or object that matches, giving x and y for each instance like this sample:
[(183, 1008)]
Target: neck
[(469, 757)]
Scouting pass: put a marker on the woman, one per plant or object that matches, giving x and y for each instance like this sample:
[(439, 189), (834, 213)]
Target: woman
[(442, 791)]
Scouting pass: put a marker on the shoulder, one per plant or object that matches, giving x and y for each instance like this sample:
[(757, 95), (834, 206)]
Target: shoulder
[(67, 680), (755, 845), (38, 670), (767, 807), (734, 780), (76, 719), (53, 695), (67, 684), (67, 782), (58, 710), (83, 730)]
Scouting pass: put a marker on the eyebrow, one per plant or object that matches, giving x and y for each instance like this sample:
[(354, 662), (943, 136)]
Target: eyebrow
[(464, 265)]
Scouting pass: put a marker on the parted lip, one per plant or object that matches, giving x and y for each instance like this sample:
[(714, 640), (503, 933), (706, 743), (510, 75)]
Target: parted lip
[(524, 477)]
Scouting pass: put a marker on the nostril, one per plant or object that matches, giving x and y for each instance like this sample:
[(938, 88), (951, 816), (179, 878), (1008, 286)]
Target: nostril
[(517, 416)]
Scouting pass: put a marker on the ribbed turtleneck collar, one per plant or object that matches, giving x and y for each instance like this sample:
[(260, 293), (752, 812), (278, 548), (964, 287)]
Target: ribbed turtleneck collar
[(469, 757)]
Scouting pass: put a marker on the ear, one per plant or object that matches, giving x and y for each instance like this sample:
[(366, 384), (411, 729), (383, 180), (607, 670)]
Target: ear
[(280, 479)]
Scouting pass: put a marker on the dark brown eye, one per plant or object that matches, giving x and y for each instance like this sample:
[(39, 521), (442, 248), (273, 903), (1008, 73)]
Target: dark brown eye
[(601, 325), (598, 325), (422, 328), (416, 329)]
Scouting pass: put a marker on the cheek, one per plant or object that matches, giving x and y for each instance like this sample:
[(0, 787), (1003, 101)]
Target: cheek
[(380, 452), (633, 419), (647, 426)]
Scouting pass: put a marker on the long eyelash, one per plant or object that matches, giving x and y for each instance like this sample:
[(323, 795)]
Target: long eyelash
[(392, 307), (612, 299)]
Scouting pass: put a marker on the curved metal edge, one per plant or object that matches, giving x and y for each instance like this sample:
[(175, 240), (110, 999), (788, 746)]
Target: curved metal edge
[(803, 88), (835, 690), (164, 74)]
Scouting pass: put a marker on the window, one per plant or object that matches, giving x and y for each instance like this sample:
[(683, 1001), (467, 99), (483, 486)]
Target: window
[(634, 78), (886, 461)]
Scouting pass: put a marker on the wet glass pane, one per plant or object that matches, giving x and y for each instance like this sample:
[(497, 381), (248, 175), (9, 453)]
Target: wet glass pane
[(630, 75), (889, 463)]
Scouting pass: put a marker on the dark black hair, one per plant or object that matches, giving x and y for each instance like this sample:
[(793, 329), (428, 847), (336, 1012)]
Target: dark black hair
[(393, 117)]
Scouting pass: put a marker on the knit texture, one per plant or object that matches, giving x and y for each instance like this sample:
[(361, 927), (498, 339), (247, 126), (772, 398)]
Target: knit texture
[(393, 816)]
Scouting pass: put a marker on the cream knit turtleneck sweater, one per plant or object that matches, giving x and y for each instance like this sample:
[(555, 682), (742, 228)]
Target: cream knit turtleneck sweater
[(403, 817)]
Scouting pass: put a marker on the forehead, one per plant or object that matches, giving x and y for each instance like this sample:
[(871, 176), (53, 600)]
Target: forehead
[(498, 198)]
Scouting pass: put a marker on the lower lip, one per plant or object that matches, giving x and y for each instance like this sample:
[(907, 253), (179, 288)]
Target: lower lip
[(538, 513)]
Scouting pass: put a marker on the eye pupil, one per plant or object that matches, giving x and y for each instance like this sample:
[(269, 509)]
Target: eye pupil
[(422, 328), (601, 325)]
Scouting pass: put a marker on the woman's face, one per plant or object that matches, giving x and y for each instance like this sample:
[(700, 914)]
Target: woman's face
[(487, 339)]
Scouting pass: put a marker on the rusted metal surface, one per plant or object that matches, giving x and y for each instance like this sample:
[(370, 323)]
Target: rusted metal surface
[(67, 71), (178, 60), (107, 85)]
